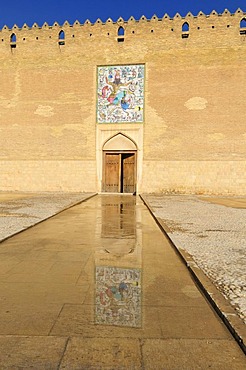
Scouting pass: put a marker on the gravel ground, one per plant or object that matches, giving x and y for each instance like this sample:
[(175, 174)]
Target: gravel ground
[(20, 211), (214, 234)]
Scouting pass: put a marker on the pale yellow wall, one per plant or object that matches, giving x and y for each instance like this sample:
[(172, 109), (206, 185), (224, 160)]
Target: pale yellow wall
[(193, 138), (194, 177), (47, 175)]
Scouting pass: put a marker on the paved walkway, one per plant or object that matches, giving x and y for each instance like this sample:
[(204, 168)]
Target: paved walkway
[(99, 287)]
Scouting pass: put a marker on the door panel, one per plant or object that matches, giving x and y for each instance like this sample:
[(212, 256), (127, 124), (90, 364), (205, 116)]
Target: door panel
[(112, 173), (128, 172), (119, 172)]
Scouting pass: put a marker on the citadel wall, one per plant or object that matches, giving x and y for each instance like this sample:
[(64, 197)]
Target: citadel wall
[(193, 138)]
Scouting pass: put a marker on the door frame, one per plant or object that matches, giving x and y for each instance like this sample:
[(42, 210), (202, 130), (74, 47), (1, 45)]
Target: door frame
[(120, 152)]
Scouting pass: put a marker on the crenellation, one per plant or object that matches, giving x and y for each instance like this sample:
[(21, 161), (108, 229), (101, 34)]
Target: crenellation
[(177, 16), (25, 26), (239, 11), (77, 23), (214, 13), (154, 18), (189, 15), (200, 28), (131, 19), (201, 14), (194, 99), (142, 19), (35, 25), (99, 21), (166, 16), (226, 12), (45, 26)]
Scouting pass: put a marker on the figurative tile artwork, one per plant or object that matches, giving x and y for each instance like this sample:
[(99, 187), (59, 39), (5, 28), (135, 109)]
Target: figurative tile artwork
[(120, 95), (118, 296)]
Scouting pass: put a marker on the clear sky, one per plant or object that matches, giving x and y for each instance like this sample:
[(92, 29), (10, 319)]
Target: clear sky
[(40, 11)]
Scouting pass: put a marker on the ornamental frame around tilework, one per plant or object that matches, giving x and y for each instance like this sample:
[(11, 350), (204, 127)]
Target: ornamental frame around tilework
[(120, 93)]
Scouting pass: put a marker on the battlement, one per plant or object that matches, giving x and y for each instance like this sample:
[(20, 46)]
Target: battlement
[(121, 30), (169, 90), (189, 17)]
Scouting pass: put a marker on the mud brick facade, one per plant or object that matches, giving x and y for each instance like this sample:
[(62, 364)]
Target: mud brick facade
[(190, 138)]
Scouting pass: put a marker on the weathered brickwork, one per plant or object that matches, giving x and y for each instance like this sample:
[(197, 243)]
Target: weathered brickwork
[(193, 138), (47, 175)]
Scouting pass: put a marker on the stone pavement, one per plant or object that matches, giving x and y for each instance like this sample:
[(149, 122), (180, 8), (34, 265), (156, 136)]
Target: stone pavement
[(100, 287)]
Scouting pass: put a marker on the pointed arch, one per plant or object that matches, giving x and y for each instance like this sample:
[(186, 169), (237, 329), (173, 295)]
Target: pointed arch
[(119, 142), (185, 30), (121, 34), (61, 37), (243, 26), (13, 37), (121, 31), (185, 27), (13, 40)]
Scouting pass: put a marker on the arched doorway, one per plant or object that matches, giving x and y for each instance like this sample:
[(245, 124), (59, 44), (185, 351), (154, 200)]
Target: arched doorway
[(119, 165)]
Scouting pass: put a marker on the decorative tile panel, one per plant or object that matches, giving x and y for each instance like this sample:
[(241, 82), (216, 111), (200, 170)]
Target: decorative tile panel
[(120, 94)]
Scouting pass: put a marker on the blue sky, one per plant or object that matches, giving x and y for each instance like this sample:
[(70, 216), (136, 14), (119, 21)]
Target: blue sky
[(40, 11)]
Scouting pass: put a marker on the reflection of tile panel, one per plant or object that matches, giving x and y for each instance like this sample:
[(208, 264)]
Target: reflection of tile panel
[(118, 296), (119, 220), (120, 94)]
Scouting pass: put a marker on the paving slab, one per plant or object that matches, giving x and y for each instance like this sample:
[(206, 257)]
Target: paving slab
[(101, 287), (88, 353), (39, 353), (191, 354)]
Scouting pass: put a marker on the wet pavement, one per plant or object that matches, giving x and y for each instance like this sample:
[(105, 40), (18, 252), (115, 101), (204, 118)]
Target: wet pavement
[(99, 287)]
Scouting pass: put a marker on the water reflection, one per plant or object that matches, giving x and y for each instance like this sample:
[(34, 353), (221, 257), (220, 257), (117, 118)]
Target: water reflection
[(118, 296), (118, 264), (118, 219)]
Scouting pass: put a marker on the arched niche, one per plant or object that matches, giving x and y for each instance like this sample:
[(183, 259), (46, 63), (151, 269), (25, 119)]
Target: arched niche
[(119, 142), (243, 26)]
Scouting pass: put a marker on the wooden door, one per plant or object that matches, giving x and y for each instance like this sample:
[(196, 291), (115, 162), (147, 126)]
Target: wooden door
[(128, 173), (119, 172), (112, 173)]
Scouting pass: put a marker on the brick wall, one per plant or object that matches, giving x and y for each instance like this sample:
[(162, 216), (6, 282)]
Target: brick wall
[(194, 136)]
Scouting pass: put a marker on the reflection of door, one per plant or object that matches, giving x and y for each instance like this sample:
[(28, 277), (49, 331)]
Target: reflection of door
[(119, 172), (118, 218)]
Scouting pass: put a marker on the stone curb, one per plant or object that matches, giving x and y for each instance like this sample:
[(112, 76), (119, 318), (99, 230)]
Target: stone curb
[(220, 304), (47, 218)]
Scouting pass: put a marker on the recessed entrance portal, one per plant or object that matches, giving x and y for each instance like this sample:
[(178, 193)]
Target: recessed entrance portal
[(119, 172), (119, 165)]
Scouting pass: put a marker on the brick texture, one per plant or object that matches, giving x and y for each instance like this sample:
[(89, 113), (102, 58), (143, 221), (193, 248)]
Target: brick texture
[(194, 131)]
